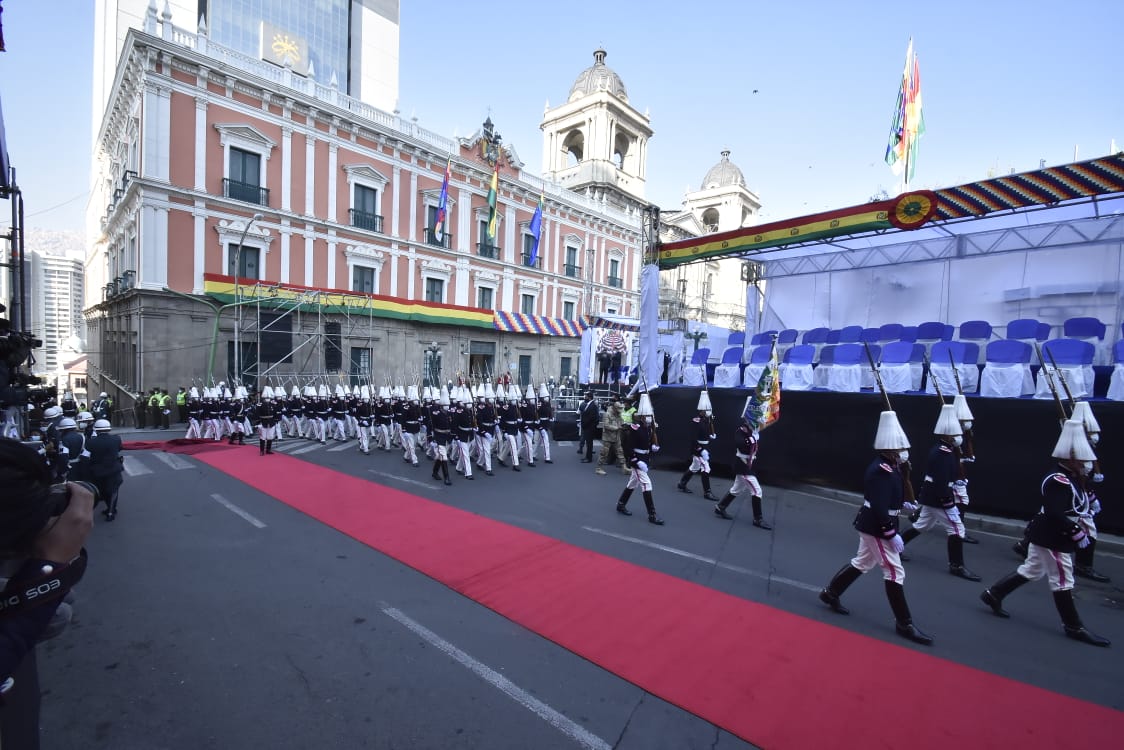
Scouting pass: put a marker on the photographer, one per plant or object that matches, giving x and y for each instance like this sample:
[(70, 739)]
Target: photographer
[(42, 530)]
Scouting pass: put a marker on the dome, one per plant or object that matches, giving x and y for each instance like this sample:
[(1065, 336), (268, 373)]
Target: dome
[(723, 173), (598, 77)]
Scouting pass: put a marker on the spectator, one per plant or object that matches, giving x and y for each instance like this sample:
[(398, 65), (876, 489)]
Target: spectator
[(589, 415)]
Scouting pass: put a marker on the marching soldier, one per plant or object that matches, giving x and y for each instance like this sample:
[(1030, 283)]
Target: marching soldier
[(411, 426), (1055, 533), (938, 504), (510, 424), (442, 436), (966, 453), (485, 437), (546, 421), (1083, 558), (640, 441), (194, 415), (877, 524), (466, 434), (363, 417), (238, 417), (745, 453), (703, 427), (384, 416), (267, 422), (529, 413)]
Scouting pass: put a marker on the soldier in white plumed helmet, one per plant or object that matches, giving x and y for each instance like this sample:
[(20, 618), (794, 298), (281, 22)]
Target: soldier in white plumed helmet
[(640, 443), (411, 426), (442, 424), (938, 503), (511, 423), (966, 454), (1055, 533), (267, 422), (746, 441), (486, 429), (194, 415), (546, 421), (529, 413), (702, 425), (880, 544), (1083, 559)]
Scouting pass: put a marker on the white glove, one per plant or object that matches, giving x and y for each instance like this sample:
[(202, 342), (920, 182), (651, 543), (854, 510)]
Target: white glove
[(655, 449), (1098, 477), (641, 466), (897, 544), (960, 483), (1084, 541), (705, 455), (911, 507), (1095, 506)]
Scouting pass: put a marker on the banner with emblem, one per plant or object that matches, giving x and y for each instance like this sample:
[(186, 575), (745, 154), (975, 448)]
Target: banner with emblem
[(764, 406)]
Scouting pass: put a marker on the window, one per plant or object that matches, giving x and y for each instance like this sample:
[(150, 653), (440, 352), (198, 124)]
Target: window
[(572, 269), (365, 209), (524, 370), (360, 365), (247, 261), (611, 310), (363, 279), (527, 306), (244, 183), (431, 223), (487, 247), (614, 272), (568, 310), (434, 290), (564, 367), (484, 297)]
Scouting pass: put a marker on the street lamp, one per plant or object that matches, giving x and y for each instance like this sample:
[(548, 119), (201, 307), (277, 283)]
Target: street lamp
[(238, 298), (695, 336), (432, 363)]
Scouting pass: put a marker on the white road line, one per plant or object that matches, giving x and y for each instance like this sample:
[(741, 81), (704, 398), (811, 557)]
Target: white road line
[(307, 449), (397, 478), (171, 459), (133, 466), (237, 511), (571, 729), (343, 446), (286, 445), (707, 560)]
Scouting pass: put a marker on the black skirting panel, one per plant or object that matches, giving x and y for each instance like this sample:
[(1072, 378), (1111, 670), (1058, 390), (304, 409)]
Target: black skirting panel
[(826, 438)]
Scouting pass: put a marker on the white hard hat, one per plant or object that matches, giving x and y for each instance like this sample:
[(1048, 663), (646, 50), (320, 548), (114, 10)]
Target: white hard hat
[(66, 423), (85, 416), (52, 411), (103, 394), (102, 425)]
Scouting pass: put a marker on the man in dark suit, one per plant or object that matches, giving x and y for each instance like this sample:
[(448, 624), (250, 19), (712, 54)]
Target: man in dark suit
[(105, 466), (589, 415)]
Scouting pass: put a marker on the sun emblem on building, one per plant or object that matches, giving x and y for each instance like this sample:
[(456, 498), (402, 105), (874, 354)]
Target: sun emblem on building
[(285, 47)]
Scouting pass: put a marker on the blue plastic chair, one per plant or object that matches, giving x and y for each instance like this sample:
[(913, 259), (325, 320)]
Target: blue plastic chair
[(760, 354), (1069, 351), (871, 335), (787, 337), (1084, 328), (800, 355), (975, 329), (815, 336), (933, 331), (850, 334), (900, 352), (833, 335), (1022, 328), (765, 337), (827, 354), (909, 333), (890, 332), (1044, 331), (1007, 352), (1118, 351), (852, 354), (700, 356), (737, 338), (732, 355)]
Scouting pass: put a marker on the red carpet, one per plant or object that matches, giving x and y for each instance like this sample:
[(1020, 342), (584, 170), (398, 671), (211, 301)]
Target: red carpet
[(772, 678)]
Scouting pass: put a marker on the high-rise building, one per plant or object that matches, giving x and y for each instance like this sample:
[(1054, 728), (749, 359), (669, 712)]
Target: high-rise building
[(56, 300)]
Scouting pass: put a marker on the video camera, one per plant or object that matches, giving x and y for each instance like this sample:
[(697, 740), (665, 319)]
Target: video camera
[(17, 387)]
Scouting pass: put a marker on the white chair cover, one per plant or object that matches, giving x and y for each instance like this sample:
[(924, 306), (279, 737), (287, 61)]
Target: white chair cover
[(1006, 380), (897, 378), (752, 374), (1079, 378), (727, 376), (1115, 383), (694, 375), (846, 378), (819, 376), (795, 377), (969, 378), (1102, 351)]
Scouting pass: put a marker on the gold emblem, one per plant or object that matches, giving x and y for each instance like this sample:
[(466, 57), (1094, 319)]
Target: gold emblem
[(834, 223), (793, 232), (725, 244), (757, 238), (283, 46)]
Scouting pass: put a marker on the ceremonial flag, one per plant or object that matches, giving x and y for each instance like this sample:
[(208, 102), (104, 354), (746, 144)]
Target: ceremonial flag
[(908, 123), (493, 192), (443, 204), (536, 230), (764, 406)]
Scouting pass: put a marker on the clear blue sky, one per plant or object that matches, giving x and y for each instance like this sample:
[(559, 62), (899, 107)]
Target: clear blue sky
[(1004, 83)]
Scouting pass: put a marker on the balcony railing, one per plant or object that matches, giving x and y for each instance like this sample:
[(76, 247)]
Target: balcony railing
[(431, 238), (574, 272), (616, 281), (525, 260), (364, 220), (244, 191), (487, 250)]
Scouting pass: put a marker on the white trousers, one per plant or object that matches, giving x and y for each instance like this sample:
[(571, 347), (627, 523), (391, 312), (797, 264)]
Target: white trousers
[(193, 429), (510, 448), (639, 478), (484, 454), (544, 440), (409, 449), (1056, 566), (875, 551), (949, 518), (744, 481), (464, 463)]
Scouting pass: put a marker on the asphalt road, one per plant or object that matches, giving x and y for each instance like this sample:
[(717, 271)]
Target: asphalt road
[(213, 616)]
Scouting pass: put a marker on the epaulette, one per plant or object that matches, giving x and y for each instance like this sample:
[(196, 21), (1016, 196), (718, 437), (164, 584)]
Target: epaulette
[(634, 426), (886, 467), (1059, 477)]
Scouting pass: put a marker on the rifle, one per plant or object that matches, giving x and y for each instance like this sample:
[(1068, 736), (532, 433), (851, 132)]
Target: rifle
[(955, 373), (1050, 381), (907, 483), (1061, 377), (936, 383)]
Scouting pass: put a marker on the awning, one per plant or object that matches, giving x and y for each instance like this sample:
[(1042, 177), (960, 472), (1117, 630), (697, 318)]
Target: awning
[(513, 322), (612, 324)]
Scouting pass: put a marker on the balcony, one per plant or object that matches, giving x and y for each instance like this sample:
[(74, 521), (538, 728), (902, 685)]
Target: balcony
[(431, 238), (574, 272), (488, 250), (246, 192), (616, 281), (364, 220), (526, 261)]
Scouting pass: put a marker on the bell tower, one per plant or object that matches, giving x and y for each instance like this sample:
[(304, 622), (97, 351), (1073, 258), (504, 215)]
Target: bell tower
[(597, 143)]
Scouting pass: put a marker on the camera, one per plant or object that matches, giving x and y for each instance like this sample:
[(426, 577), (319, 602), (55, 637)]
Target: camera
[(58, 500)]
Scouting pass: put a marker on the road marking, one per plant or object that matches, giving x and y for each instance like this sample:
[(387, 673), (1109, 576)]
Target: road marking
[(237, 511), (286, 445), (707, 560), (570, 728), (171, 459), (306, 449), (397, 478), (134, 468), (341, 447)]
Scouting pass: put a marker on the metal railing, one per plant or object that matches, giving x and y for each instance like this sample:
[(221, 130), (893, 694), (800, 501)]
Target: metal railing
[(245, 191), (364, 220), (573, 271), (487, 250), (431, 238), (525, 260), (616, 281)]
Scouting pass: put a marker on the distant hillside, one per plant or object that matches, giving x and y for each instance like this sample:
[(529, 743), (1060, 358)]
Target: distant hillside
[(66, 242)]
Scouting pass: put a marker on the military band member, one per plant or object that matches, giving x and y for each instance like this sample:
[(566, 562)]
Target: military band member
[(877, 524), (938, 504), (640, 442), (1055, 533), (703, 427), (546, 421), (745, 453), (267, 419), (442, 436)]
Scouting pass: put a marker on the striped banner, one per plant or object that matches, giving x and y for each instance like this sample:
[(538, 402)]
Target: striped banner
[(513, 322), (307, 299), (594, 321)]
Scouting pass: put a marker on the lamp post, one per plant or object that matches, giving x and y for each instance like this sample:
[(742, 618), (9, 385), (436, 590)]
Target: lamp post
[(432, 366), (237, 299), (696, 336)]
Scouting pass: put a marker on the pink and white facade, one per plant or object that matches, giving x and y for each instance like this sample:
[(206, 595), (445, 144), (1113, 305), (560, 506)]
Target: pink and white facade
[(197, 140)]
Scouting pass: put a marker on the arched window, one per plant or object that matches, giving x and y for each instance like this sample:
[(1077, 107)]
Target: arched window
[(574, 148)]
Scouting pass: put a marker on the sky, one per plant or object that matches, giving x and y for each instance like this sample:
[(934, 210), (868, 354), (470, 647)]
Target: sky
[(801, 93)]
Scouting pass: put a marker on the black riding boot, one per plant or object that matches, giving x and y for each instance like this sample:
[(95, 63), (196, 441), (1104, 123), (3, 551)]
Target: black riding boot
[(723, 504), (758, 520), (683, 480), (895, 592), (261, 447), (707, 494), (651, 506), (909, 535), (268, 447), (436, 469), (1063, 600), (968, 538), (956, 559), (847, 575), (111, 508), (623, 501), (445, 472), (1083, 564), (993, 596)]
